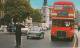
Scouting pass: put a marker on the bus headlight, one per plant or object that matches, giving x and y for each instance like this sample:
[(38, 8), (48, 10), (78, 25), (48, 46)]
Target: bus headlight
[(71, 14), (54, 14)]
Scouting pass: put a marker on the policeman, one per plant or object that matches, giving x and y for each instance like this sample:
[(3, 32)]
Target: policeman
[(18, 35)]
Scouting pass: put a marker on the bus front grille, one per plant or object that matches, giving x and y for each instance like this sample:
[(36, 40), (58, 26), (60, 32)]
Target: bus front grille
[(61, 34)]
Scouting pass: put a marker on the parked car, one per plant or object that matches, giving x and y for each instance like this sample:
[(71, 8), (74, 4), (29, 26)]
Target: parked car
[(35, 32), (24, 29), (11, 28), (3, 28), (44, 28)]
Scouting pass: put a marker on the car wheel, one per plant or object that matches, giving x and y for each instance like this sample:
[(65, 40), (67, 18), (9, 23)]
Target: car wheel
[(26, 33), (27, 37), (42, 36)]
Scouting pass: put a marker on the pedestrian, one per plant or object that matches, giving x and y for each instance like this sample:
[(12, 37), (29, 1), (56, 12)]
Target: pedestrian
[(18, 35)]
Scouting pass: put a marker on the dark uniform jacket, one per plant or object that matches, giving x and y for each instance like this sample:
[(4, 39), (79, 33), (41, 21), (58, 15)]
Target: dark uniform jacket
[(18, 30)]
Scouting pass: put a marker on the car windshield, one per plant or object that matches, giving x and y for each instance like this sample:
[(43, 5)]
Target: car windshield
[(35, 29)]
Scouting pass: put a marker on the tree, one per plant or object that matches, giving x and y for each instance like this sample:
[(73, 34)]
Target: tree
[(36, 16), (17, 9), (7, 19)]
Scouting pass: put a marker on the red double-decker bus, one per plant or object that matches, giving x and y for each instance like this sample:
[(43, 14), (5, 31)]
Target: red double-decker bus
[(62, 15)]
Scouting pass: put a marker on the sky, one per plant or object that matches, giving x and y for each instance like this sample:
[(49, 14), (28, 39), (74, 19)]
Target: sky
[(37, 4)]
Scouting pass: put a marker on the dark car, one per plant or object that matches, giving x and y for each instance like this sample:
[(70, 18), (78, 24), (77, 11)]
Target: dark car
[(11, 28)]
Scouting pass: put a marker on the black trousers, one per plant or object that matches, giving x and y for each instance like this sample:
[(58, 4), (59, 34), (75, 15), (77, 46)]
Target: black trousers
[(18, 40)]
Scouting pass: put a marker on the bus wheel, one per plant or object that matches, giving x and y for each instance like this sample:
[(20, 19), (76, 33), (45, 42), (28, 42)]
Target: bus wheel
[(70, 39)]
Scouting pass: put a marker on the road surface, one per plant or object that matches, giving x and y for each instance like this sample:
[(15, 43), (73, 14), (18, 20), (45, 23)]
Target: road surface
[(46, 43), (8, 41)]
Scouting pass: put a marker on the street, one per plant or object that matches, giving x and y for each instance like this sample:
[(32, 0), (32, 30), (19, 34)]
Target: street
[(46, 43), (45, 19), (7, 40)]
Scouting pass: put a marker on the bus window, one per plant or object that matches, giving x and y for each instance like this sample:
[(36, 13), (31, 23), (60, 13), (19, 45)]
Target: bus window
[(62, 23), (67, 7), (58, 7), (67, 24)]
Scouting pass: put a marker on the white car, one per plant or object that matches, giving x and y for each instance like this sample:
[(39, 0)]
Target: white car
[(24, 29), (44, 28), (35, 32)]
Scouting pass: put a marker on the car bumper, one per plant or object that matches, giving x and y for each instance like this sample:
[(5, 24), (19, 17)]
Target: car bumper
[(33, 35), (24, 32)]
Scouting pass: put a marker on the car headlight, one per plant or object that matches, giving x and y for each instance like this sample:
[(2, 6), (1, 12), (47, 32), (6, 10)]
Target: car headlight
[(71, 14), (54, 14)]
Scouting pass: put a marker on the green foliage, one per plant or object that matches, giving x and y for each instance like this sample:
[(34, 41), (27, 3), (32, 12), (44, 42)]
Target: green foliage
[(36, 16), (18, 9), (7, 19)]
